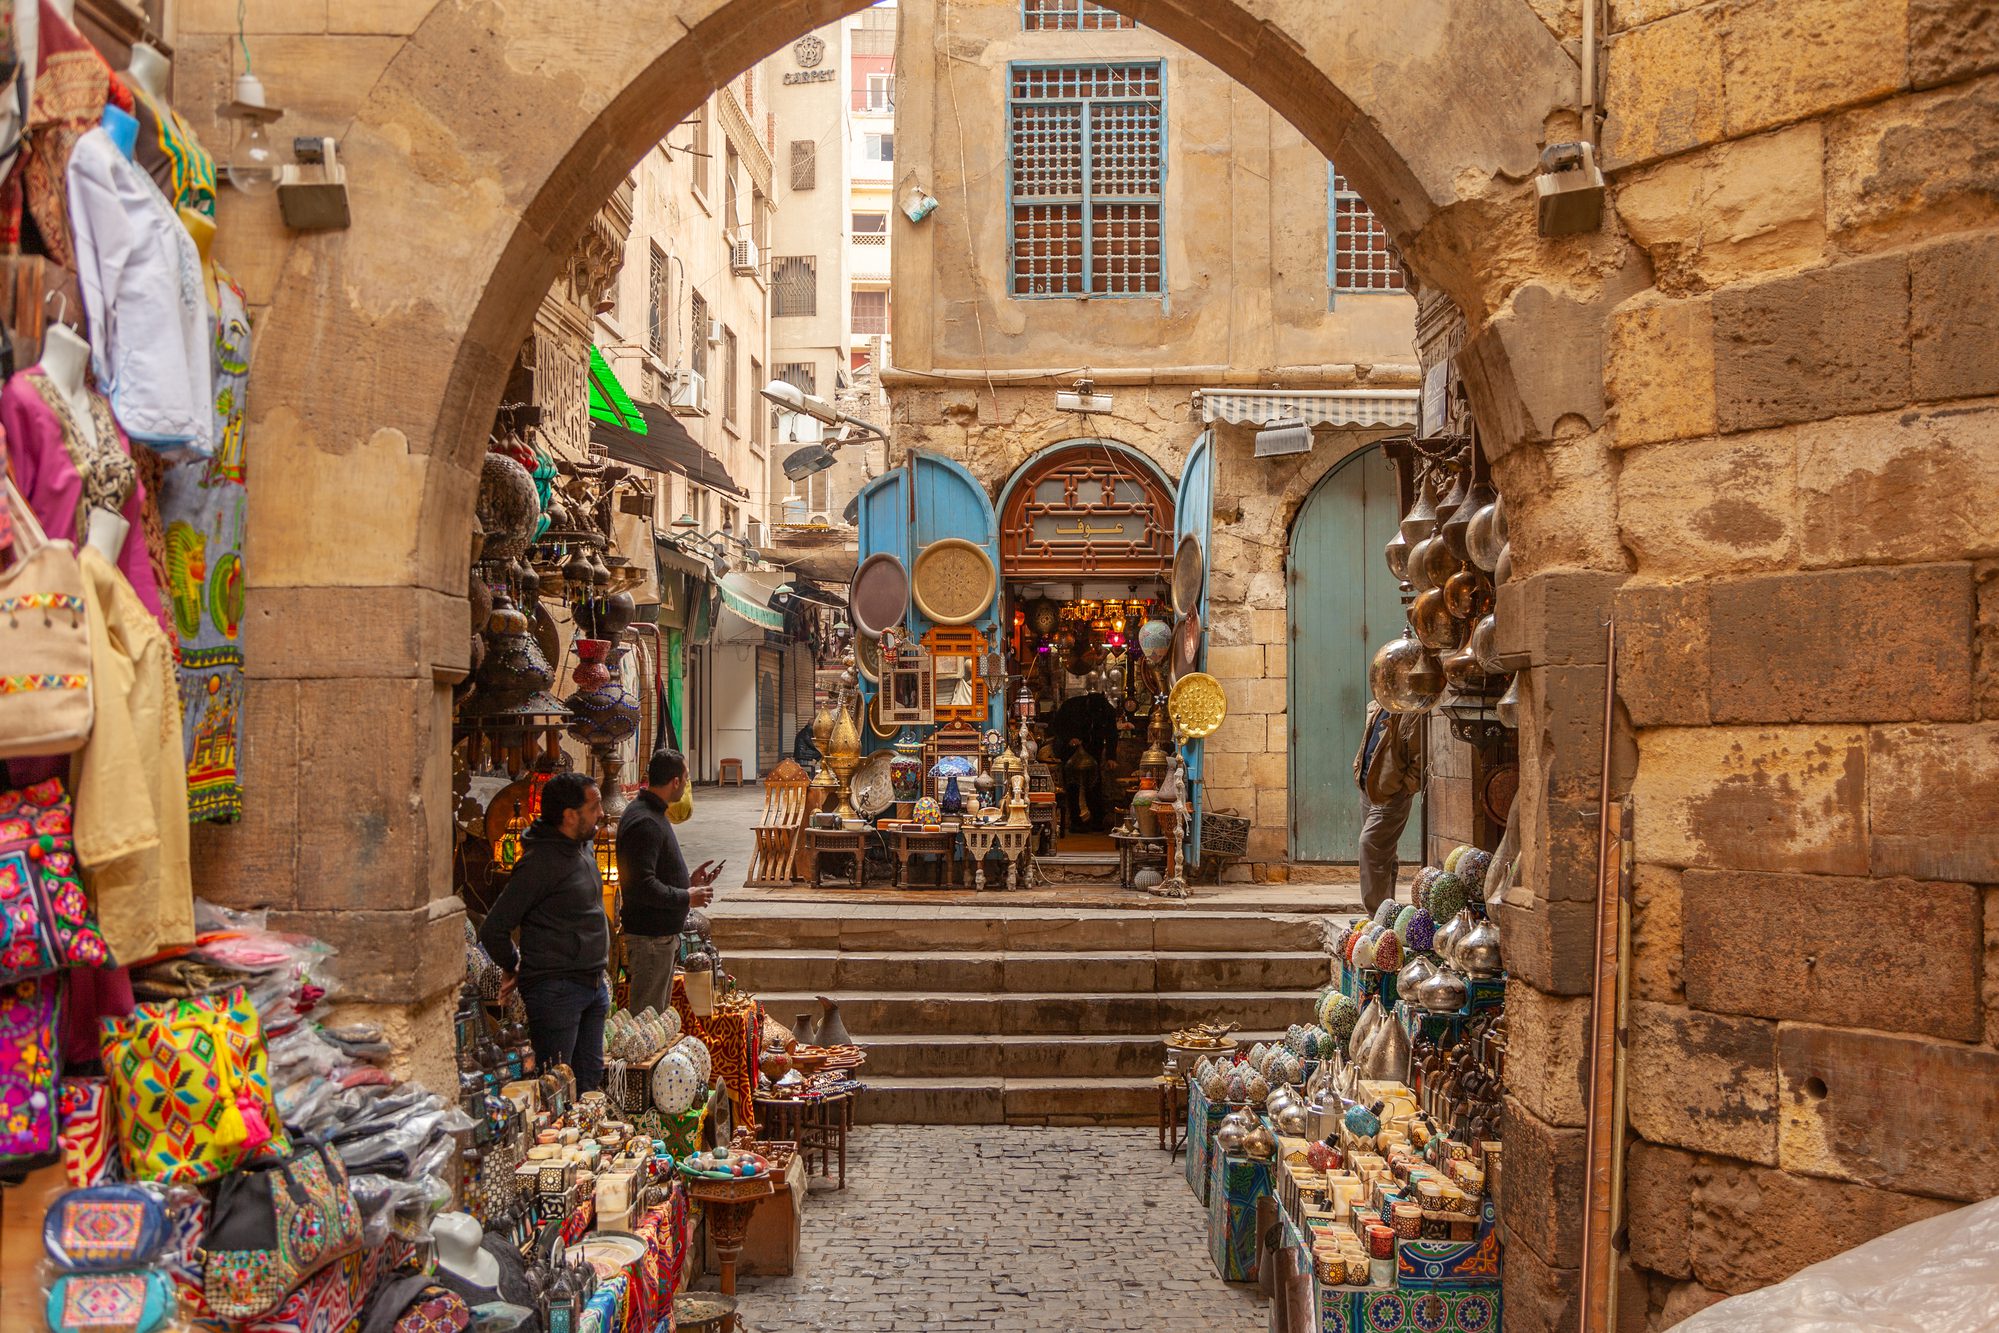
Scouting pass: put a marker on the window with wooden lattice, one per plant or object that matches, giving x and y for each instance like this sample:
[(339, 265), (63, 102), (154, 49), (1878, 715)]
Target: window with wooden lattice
[(1086, 510), (1087, 173), (1070, 16), (1361, 257)]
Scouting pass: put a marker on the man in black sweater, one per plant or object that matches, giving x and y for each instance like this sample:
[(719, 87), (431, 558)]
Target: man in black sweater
[(555, 899), (656, 885)]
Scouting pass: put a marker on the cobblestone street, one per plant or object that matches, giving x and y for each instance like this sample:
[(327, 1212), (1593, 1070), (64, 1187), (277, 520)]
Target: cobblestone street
[(1002, 1231)]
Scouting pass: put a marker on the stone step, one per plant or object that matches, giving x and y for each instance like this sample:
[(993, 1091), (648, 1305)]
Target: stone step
[(1010, 1101), (875, 930), (762, 970), (1087, 1055), (1046, 1013)]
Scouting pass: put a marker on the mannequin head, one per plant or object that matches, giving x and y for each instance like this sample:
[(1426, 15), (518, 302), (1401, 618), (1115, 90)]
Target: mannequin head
[(457, 1237), (150, 70)]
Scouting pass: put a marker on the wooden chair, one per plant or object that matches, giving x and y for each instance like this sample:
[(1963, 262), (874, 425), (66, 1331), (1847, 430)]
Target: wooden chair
[(776, 854)]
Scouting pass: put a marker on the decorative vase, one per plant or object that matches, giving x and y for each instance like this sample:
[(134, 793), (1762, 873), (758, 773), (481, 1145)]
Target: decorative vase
[(832, 1031), (953, 803), (803, 1027), (606, 712)]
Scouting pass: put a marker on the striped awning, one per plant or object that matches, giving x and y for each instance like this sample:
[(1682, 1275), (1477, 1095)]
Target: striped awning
[(747, 595), (1314, 407)]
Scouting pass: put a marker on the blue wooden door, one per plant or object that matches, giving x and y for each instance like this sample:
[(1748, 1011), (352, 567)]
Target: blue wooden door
[(1344, 604), (1194, 512)]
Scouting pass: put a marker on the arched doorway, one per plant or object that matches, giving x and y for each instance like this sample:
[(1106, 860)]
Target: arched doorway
[(1344, 604)]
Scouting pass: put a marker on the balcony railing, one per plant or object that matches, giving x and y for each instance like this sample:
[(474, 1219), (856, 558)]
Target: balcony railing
[(870, 238)]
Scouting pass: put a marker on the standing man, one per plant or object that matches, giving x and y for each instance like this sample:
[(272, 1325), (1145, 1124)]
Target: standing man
[(555, 899), (1389, 769), (656, 884)]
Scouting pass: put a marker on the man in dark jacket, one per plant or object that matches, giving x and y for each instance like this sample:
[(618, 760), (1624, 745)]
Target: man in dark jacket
[(655, 883), (1389, 771), (555, 898)]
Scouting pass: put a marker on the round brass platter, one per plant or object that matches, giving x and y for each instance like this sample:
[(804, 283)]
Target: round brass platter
[(954, 581), (1197, 704), (1189, 569)]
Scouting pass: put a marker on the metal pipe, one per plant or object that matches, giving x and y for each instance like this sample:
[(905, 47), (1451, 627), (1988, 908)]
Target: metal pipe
[(1596, 1272), (1588, 99), (1215, 376)]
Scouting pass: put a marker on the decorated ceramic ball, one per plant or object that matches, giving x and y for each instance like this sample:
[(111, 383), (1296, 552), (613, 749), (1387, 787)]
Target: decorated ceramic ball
[(1321, 1155), (1294, 1039), (670, 1020), (1402, 920), (1384, 915), (1238, 1081), (675, 1083), (1472, 869), (1154, 638), (1256, 1054), (1363, 954), (1256, 1087), (1215, 1086), (1447, 897), (1421, 885), (927, 811), (1422, 931), (1455, 855), (1315, 1042), (1362, 1122), (1342, 1014), (1388, 954), (698, 1053)]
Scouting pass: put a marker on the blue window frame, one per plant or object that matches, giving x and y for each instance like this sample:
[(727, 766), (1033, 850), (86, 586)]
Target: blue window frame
[(1070, 16), (1360, 257), (1086, 178)]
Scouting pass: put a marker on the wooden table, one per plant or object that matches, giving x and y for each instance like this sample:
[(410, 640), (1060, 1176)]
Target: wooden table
[(816, 1124), (826, 842), (908, 842), (1133, 851), (1172, 1113), (728, 1204), (1010, 840)]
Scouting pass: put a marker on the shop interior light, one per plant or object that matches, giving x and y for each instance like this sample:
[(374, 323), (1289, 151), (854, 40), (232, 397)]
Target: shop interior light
[(1283, 438)]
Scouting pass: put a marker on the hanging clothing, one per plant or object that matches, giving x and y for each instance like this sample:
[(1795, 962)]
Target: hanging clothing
[(60, 471), (129, 779), (204, 504), (141, 279), (170, 154), (71, 87)]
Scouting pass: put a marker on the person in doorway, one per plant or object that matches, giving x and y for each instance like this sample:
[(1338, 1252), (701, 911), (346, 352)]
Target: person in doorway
[(1389, 769), (657, 886), (555, 900)]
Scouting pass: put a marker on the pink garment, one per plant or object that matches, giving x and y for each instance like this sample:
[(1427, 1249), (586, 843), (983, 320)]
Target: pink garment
[(46, 472)]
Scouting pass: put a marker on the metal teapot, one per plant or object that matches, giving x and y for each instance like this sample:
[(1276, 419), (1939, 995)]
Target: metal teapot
[(1235, 1126), (1478, 950), (1413, 974), (1444, 993)]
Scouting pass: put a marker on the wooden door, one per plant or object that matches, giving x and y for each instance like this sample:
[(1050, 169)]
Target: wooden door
[(1343, 604)]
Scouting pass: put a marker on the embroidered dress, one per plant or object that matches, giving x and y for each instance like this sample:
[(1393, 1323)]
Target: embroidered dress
[(141, 278), (171, 154), (72, 86), (203, 503), (59, 471)]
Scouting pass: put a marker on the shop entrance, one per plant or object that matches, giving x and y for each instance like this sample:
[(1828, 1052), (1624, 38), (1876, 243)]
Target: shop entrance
[(1086, 542)]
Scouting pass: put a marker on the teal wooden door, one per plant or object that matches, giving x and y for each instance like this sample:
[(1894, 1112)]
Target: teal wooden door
[(1344, 604)]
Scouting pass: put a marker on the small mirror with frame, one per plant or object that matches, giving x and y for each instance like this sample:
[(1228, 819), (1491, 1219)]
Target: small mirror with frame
[(908, 689)]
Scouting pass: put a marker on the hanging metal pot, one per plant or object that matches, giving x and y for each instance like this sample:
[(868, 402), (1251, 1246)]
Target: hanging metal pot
[(1484, 635), (1439, 564), (1508, 708), (1450, 504), (1400, 676), (1432, 620), (1461, 668), (1396, 553), (1421, 520), (1482, 537), (1457, 528), (1464, 592), (1502, 569)]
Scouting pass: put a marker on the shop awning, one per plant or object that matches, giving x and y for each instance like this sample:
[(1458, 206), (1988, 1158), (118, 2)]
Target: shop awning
[(609, 402), (746, 596), (1314, 407), (664, 446)]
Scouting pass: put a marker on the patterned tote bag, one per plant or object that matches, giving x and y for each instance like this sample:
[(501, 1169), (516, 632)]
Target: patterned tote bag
[(45, 919)]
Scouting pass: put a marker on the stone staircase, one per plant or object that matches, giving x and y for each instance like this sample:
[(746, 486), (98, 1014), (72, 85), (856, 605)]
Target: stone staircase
[(1025, 1016)]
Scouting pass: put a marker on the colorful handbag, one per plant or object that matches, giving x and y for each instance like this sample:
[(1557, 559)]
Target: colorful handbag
[(103, 1228), (192, 1087), (30, 1028), (45, 919), (134, 1302), (272, 1228), (45, 705), (84, 1132)]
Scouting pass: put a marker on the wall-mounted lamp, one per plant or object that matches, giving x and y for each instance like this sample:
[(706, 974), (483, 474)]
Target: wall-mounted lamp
[(253, 155), (1083, 398), (313, 194)]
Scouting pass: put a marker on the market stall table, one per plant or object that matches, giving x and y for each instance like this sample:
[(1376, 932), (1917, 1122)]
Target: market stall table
[(912, 841), (1010, 840), (1172, 1112), (1135, 850), (825, 842), (816, 1124), (729, 1204)]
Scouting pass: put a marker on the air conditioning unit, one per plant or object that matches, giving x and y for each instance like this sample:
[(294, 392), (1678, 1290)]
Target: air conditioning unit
[(743, 258), (689, 392), (714, 332)]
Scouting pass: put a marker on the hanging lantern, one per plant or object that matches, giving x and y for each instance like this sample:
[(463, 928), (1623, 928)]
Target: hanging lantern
[(1421, 520), (1404, 678)]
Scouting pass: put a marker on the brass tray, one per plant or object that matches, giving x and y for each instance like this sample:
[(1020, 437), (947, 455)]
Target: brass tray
[(1197, 704), (1190, 570), (954, 581)]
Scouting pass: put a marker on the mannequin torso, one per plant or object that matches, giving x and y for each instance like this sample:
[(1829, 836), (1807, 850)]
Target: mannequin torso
[(149, 71), (64, 357)]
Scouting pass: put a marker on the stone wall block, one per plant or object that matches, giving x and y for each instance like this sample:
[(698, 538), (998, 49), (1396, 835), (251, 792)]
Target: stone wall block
[(1658, 945), (378, 815), (1549, 946), (1950, 40), (343, 633), (1547, 1056), (388, 956), (1909, 167), (253, 862), (1703, 1081), (1842, 645), (1659, 373), (1703, 507), (1742, 209), (1662, 653), (1540, 1298), (1933, 798), (1663, 88), (1776, 798), (1824, 343), (1555, 619), (1561, 515), (1536, 364), (1544, 1180), (1566, 710), (1245, 661), (1896, 1112), (1658, 1206), (1989, 981), (1786, 946), (1785, 60), (1985, 636), (1903, 486), (1954, 318)]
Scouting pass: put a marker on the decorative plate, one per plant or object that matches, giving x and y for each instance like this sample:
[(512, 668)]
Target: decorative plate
[(612, 1252), (872, 789), (879, 594), (1187, 641), (1197, 704), (882, 730), (868, 657), (1189, 571), (954, 581)]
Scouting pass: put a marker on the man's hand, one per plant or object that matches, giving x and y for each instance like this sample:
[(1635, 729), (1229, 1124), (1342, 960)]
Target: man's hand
[(700, 895), (705, 874)]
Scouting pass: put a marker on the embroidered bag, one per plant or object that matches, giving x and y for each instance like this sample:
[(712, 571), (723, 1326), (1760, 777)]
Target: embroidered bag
[(192, 1088), (84, 1132), (45, 705), (134, 1302), (272, 1228), (30, 1028), (45, 919), (103, 1228)]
